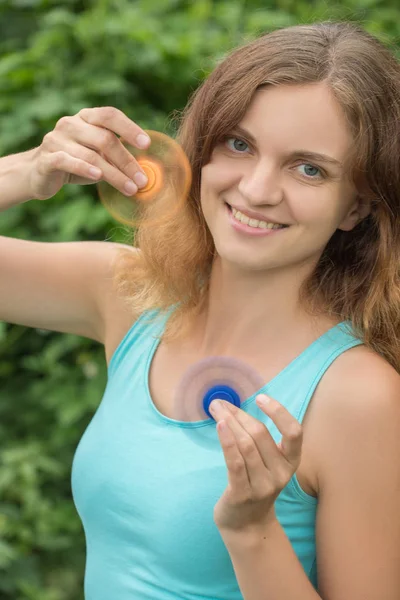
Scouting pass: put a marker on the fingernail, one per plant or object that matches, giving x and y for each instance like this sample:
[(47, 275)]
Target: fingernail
[(140, 179), (95, 172), (130, 187), (142, 140), (215, 407), (263, 400)]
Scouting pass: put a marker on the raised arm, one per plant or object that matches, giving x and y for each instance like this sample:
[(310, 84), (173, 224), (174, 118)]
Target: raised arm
[(66, 287)]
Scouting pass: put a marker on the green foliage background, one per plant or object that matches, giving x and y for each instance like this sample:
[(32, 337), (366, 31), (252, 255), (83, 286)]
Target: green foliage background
[(57, 56)]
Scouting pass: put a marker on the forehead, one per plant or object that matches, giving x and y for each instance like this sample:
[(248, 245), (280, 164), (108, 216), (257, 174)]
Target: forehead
[(287, 117)]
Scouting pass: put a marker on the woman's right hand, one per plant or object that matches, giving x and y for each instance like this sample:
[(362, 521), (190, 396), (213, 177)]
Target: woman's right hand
[(84, 142)]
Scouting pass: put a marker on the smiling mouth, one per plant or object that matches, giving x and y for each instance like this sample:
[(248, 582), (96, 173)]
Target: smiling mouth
[(253, 222)]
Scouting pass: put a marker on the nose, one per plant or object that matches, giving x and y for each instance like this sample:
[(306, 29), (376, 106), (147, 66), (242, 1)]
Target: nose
[(260, 184)]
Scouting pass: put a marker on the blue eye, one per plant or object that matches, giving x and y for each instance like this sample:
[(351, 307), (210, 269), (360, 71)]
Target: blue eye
[(238, 144), (312, 175)]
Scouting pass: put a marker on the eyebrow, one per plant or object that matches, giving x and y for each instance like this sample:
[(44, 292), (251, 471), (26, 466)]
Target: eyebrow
[(304, 153)]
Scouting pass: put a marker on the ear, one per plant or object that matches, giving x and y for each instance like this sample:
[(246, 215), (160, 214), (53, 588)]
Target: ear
[(360, 209)]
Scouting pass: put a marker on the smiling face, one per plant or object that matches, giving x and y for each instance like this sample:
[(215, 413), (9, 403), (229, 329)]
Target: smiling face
[(269, 171)]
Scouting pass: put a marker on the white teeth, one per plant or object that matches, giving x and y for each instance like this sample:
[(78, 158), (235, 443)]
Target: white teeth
[(239, 216)]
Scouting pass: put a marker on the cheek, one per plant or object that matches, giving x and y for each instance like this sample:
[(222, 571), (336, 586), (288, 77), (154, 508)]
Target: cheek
[(315, 209), (209, 188), (216, 177)]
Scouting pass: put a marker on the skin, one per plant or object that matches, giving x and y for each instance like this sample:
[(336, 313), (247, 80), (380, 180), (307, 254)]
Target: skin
[(257, 272)]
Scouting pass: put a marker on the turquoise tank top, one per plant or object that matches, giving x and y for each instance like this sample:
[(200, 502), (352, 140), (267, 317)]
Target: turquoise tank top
[(145, 485)]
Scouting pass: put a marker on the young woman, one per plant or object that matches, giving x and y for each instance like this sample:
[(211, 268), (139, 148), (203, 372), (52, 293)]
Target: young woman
[(286, 256)]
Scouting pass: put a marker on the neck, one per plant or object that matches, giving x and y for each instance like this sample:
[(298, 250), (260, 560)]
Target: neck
[(247, 312)]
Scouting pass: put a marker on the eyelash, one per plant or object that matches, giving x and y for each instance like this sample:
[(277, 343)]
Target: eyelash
[(309, 177)]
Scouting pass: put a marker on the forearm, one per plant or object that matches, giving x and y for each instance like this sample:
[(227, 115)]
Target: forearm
[(267, 567), (14, 179)]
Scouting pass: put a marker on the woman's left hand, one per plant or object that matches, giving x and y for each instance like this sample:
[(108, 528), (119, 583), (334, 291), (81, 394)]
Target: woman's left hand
[(258, 469)]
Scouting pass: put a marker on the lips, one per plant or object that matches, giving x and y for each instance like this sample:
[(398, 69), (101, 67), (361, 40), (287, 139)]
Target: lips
[(254, 215)]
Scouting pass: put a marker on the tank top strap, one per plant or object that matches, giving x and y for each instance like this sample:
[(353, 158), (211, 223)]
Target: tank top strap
[(146, 328), (295, 385)]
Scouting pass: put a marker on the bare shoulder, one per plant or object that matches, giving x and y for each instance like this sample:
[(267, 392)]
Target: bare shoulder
[(359, 392), (360, 373), (117, 316), (360, 388), (357, 453)]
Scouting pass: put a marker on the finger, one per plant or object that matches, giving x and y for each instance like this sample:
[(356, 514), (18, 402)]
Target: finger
[(62, 161), (110, 173), (259, 473), (265, 462), (257, 431), (289, 427), (104, 143), (115, 120), (237, 472), (112, 149)]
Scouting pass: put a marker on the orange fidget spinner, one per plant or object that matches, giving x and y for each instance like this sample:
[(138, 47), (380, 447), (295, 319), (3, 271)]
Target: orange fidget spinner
[(169, 179)]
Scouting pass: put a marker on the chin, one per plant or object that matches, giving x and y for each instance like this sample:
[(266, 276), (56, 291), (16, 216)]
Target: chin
[(244, 261)]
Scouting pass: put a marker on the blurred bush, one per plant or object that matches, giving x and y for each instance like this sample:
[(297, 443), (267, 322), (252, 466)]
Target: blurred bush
[(57, 56)]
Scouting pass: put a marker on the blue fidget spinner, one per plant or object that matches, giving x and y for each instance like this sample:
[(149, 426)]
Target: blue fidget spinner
[(220, 392)]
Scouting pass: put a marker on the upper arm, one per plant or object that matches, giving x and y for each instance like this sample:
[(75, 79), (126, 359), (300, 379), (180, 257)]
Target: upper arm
[(63, 287), (358, 515)]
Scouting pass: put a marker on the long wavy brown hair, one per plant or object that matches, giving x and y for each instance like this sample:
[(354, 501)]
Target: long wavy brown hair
[(358, 275)]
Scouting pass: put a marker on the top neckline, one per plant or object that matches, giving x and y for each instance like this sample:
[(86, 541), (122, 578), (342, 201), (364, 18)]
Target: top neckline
[(247, 402)]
